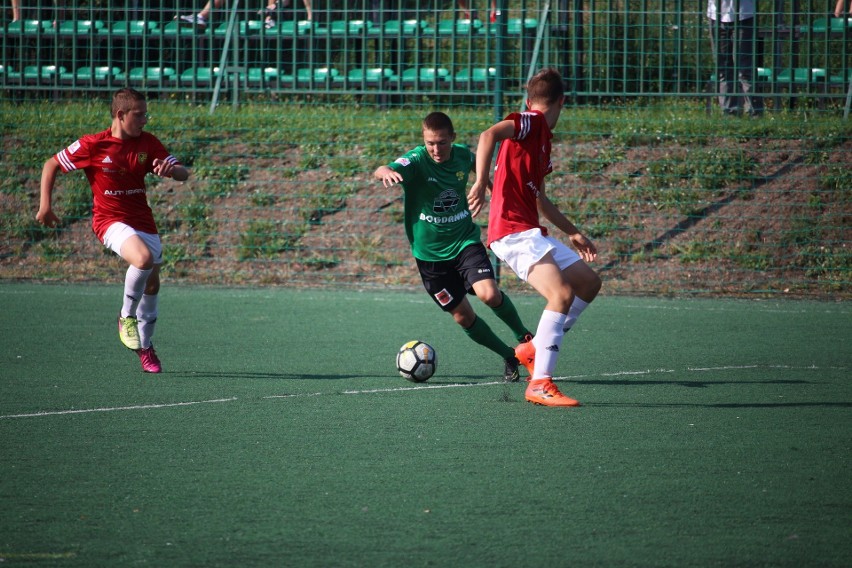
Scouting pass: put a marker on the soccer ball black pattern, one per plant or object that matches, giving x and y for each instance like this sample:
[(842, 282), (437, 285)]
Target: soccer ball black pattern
[(416, 361)]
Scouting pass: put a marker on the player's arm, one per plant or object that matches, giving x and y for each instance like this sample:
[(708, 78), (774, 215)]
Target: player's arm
[(164, 168), (586, 248), (488, 141), (388, 176), (45, 214)]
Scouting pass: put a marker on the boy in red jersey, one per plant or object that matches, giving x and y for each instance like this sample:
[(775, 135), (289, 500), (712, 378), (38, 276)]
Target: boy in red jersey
[(115, 162), (515, 234)]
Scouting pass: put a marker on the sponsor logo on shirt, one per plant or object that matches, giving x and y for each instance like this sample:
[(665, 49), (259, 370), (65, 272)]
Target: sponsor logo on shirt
[(402, 161), (446, 202), (120, 192), (107, 160), (74, 147), (445, 219)]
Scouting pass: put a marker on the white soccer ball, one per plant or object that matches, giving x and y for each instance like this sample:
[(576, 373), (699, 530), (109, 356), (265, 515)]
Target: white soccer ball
[(416, 361)]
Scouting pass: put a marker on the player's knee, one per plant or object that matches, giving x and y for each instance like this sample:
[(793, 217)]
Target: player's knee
[(464, 319), (492, 298)]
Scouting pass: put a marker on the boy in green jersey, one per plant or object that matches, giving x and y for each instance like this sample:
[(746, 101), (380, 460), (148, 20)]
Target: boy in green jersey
[(444, 239)]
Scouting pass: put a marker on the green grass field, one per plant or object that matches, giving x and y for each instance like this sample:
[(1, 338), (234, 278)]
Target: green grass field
[(713, 433)]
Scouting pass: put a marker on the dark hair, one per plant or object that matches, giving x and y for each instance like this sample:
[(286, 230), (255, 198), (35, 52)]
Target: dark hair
[(436, 121), (123, 99), (546, 86)]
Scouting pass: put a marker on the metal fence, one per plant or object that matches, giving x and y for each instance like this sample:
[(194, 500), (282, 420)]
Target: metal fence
[(605, 48)]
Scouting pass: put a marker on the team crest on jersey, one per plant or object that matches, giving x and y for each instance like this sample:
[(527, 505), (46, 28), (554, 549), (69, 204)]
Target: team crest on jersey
[(444, 297), (446, 202), (460, 175), (142, 157)]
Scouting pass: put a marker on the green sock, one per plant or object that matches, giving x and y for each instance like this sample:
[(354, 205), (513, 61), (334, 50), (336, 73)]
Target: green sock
[(482, 334), (509, 314)]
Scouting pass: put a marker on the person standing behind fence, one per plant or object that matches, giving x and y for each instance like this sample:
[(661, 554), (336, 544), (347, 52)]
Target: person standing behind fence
[(838, 9), (732, 36), (116, 162)]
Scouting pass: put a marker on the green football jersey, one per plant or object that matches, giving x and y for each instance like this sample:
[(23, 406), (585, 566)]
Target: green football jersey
[(438, 223)]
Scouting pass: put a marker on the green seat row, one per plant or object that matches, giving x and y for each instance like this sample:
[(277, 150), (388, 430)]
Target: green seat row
[(286, 28)]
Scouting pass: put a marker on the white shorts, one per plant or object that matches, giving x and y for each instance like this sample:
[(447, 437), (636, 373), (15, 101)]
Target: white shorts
[(119, 232), (522, 250)]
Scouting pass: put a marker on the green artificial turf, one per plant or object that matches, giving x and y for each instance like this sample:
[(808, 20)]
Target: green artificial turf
[(713, 433)]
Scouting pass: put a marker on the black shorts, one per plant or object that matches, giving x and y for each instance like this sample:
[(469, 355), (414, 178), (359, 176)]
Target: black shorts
[(448, 281)]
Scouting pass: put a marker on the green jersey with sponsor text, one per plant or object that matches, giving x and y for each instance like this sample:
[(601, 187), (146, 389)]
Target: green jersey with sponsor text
[(438, 223)]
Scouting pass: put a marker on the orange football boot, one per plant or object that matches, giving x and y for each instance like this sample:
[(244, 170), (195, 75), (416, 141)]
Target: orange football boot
[(545, 393), (525, 353)]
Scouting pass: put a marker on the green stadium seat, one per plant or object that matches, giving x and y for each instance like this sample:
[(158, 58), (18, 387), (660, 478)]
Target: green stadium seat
[(514, 27), (100, 75), (177, 29), (201, 76), (801, 76), (79, 27), (148, 75), (433, 75), (42, 74), (26, 27), (244, 28), (396, 29), (291, 28), (129, 28), (367, 77), (9, 75), (834, 26), (260, 77), (477, 77), (322, 76), (458, 27), (356, 28)]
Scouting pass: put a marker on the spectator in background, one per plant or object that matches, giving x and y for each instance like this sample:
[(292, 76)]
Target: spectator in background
[(732, 37), (838, 9), (202, 18), (17, 13), (470, 14)]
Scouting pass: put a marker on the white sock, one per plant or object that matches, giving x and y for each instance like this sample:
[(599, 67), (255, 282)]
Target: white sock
[(147, 315), (547, 340), (577, 307), (134, 287)]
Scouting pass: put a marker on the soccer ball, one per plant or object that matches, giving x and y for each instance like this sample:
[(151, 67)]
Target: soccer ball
[(416, 361)]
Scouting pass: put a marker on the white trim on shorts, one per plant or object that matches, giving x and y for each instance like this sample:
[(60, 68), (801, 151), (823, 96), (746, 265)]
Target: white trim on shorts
[(117, 233), (520, 251)]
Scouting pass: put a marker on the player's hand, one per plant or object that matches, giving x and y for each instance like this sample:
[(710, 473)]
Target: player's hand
[(390, 177), (47, 218), (586, 248), (163, 168), (476, 197)]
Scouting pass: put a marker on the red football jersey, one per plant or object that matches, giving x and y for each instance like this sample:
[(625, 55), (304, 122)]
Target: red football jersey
[(522, 163), (116, 171)]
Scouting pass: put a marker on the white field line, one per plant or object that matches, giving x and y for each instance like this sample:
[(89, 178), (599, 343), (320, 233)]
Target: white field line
[(408, 388), (117, 408)]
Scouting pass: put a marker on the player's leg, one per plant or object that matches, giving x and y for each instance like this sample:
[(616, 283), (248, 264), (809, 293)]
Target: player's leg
[(149, 307), (124, 241), (586, 284), (531, 256), (475, 267), (448, 290)]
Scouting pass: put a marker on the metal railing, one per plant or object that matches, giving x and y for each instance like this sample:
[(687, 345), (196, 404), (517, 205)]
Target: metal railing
[(606, 49)]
